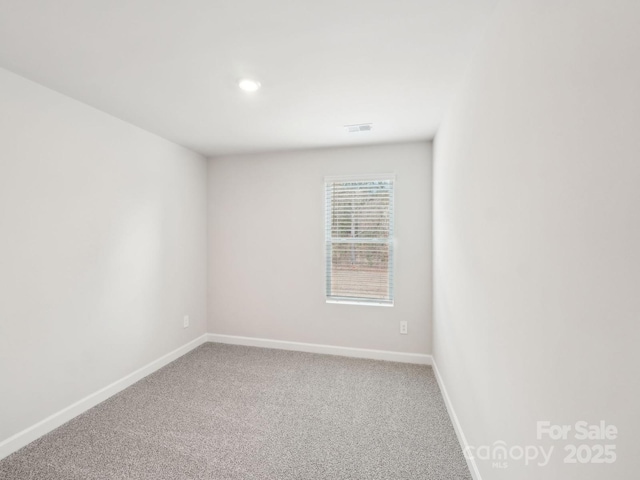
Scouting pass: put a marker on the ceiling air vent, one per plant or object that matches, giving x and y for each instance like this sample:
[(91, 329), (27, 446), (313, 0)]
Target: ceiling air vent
[(360, 127)]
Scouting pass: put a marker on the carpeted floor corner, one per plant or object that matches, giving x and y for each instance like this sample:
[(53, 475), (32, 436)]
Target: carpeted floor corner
[(240, 413)]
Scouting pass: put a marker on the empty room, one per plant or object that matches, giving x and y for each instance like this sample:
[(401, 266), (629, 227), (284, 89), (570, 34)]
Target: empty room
[(296, 240)]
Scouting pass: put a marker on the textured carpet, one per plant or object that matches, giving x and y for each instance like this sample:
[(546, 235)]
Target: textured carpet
[(228, 412)]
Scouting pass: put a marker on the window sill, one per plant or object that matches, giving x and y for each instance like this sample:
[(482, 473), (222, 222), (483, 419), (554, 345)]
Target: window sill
[(359, 302)]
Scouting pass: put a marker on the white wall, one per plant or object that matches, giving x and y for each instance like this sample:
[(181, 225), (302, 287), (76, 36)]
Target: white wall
[(537, 233), (102, 250), (266, 239)]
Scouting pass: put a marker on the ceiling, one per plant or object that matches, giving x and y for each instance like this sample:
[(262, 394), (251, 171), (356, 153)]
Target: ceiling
[(172, 67)]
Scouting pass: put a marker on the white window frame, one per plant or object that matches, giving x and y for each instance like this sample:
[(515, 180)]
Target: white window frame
[(329, 240)]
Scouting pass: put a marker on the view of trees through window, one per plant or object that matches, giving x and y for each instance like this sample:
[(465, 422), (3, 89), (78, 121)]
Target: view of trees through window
[(359, 246)]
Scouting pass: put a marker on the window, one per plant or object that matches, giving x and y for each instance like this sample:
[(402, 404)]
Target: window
[(359, 239)]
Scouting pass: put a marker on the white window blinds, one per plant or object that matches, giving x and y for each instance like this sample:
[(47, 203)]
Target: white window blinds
[(359, 239)]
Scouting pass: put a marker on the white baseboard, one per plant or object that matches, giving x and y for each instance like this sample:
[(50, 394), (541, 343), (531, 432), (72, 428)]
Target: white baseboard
[(418, 358), (23, 438), (471, 462)]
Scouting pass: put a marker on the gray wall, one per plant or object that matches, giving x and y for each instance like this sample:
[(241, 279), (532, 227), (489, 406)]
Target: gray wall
[(537, 233), (266, 258), (103, 250)]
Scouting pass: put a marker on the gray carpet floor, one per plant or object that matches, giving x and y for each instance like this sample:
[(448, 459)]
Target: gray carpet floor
[(227, 412)]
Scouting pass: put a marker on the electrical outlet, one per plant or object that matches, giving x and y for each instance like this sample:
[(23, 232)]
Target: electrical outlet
[(185, 321), (403, 327)]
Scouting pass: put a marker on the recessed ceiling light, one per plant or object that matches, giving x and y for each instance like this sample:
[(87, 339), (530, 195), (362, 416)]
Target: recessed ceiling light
[(248, 85)]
